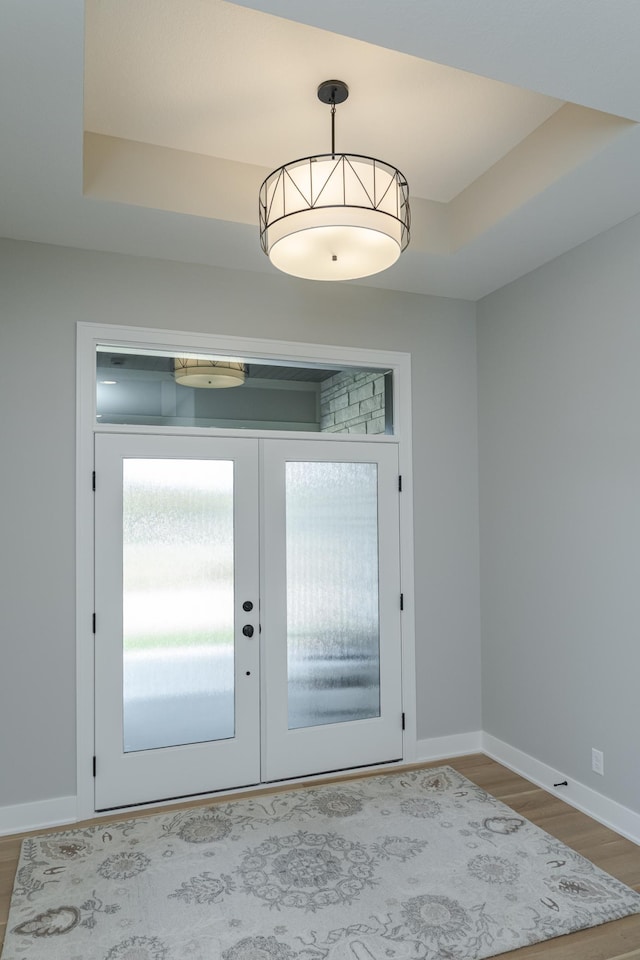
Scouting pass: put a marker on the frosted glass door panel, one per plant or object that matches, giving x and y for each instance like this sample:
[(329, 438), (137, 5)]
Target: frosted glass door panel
[(333, 629), (177, 696), (178, 602)]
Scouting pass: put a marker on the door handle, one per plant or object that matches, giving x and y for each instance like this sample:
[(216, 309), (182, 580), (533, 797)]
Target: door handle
[(247, 630)]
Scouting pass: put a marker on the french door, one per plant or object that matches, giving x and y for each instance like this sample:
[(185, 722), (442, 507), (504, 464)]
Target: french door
[(247, 612)]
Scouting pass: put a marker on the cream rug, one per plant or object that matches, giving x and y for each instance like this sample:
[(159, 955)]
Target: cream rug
[(408, 866)]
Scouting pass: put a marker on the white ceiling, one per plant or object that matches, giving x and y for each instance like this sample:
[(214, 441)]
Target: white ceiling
[(230, 82), (466, 98)]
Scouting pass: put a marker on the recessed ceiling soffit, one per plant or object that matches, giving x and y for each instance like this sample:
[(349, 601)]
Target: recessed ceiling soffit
[(188, 106)]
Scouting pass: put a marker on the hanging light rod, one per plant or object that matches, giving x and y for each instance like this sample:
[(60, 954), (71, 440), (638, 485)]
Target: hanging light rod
[(332, 92), (334, 216)]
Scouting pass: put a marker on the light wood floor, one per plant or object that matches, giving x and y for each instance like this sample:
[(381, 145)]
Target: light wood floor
[(619, 940)]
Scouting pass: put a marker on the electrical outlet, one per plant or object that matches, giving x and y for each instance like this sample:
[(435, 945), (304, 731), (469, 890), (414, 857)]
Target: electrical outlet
[(597, 761)]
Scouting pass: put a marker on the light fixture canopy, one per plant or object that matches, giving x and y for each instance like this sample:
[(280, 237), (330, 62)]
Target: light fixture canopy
[(334, 216), (212, 374)]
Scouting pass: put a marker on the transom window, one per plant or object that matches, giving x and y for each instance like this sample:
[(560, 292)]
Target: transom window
[(212, 390)]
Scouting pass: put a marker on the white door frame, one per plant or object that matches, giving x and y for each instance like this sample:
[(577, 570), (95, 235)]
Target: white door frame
[(89, 336)]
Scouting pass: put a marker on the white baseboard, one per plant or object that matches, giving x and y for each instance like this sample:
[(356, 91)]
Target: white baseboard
[(456, 745), (63, 810), (38, 816), (608, 812)]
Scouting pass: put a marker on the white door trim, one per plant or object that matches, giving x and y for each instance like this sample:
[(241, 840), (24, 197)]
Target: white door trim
[(89, 335)]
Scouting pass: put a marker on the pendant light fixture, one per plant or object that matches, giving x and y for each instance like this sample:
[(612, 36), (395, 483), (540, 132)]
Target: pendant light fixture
[(335, 216), (200, 372)]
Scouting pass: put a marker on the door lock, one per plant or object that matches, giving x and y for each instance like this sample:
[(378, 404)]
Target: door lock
[(247, 606)]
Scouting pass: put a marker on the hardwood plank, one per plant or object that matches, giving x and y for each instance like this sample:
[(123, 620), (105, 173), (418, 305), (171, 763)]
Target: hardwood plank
[(7, 876), (9, 848)]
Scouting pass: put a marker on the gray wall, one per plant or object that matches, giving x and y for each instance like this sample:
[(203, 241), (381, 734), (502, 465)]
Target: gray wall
[(45, 291), (559, 439)]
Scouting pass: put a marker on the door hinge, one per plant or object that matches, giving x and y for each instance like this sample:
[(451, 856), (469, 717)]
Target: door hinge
[(94, 766), (93, 481), (402, 601), (399, 483), (402, 723), (93, 622)]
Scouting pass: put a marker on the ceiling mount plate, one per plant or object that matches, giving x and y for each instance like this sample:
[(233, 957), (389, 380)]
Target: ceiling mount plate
[(333, 91)]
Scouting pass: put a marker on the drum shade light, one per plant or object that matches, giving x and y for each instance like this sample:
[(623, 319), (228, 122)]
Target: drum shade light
[(334, 216), (208, 373)]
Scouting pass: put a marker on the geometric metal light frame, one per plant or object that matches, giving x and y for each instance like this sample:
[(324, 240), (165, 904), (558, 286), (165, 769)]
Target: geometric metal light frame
[(345, 189), (282, 191), (334, 216)]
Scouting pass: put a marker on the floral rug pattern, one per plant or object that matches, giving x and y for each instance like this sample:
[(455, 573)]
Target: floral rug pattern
[(421, 865)]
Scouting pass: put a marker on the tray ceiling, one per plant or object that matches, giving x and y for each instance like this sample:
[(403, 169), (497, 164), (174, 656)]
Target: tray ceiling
[(146, 126)]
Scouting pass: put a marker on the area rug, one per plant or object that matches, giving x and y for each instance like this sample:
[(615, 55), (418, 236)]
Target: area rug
[(420, 865)]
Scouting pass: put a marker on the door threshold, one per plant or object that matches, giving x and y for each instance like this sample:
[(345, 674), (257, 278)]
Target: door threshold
[(340, 772), (264, 787)]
